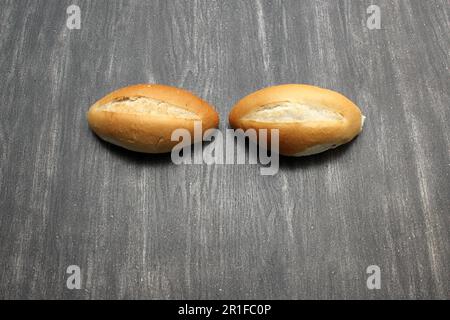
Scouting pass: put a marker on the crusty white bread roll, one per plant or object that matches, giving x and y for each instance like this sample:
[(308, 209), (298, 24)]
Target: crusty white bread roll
[(142, 117), (310, 119)]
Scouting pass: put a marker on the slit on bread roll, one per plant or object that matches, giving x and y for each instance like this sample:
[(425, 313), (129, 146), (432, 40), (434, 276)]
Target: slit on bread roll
[(310, 119), (142, 117)]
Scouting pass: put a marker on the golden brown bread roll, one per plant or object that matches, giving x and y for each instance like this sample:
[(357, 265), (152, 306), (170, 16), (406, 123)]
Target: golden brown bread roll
[(142, 117), (310, 119)]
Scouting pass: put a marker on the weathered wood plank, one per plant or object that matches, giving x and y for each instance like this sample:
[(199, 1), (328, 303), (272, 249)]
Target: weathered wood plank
[(141, 227)]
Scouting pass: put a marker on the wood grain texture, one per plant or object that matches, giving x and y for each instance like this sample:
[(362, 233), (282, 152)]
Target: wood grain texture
[(141, 227)]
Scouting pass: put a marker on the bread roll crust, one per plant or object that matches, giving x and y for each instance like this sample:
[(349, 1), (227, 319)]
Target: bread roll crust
[(143, 132), (299, 138)]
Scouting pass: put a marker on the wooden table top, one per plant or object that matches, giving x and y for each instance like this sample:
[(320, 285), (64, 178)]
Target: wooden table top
[(139, 226)]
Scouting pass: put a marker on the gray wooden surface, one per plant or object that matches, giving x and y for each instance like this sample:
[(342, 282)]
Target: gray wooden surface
[(141, 227)]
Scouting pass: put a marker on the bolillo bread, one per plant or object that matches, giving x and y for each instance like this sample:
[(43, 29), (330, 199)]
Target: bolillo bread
[(310, 119), (142, 117)]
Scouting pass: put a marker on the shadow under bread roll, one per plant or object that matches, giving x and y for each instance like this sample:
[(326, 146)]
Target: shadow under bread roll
[(142, 117), (310, 119)]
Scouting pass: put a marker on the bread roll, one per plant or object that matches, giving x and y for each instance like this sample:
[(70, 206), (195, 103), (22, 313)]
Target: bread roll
[(142, 117), (310, 119)]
